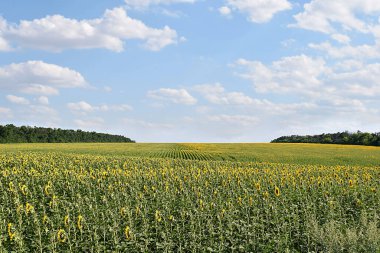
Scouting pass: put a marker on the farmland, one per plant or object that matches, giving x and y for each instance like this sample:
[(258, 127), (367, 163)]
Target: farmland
[(189, 198)]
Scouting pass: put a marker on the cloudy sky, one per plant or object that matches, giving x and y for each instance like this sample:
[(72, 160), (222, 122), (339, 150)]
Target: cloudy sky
[(191, 70)]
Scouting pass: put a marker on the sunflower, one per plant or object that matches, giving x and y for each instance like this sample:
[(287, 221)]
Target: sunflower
[(222, 212), (127, 233), (158, 216), (257, 186), (79, 222), (11, 187), (45, 219), (61, 235), (123, 211), (10, 231), (29, 208), (67, 220), (24, 190), (276, 191), (137, 210), (19, 208), (47, 190)]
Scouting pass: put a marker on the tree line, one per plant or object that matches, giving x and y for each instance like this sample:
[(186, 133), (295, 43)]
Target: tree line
[(355, 138), (26, 134)]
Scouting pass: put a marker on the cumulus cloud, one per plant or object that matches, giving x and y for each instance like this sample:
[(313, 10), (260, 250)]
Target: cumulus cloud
[(216, 94), (38, 114), (347, 51), (343, 87), (81, 106), (17, 100), (120, 108), (43, 100), (358, 82), (341, 38), (177, 96), (37, 77), (343, 20), (224, 10), (297, 74), (145, 3), (260, 11), (243, 120), (138, 123), (4, 46), (327, 16), (84, 107), (57, 33), (91, 123)]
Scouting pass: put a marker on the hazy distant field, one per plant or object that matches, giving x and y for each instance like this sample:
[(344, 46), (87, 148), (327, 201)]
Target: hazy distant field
[(281, 153), (210, 198)]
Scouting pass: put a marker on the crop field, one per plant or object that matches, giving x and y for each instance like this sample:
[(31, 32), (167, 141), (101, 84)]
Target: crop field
[(189, 198)]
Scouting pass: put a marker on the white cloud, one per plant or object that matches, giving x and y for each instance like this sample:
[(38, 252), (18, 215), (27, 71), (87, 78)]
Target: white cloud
[(139, 4), (57, 33), (348, 65), (243, 120), (325, 15), (39, 115), (216, 94), (347, 51), (17, 100), (40, 89), (358, 82), (84, 107), (80, 106), (43, 100), (92, 123), (259, 11), (120, 108), (225, 11), (321, 89), (4, 46), (341, 38), (343, 20), (37, 77), (297, 74), (177, 96), (137, 123)]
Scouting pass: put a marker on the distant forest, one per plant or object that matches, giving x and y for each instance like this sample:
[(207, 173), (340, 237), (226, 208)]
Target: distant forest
[(27, 134), (358, 138)]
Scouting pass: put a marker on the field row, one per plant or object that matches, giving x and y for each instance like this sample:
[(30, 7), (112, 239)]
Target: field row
[(315, 154)]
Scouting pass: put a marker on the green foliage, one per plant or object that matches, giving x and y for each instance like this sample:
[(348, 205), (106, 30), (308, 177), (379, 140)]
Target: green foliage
[(358, 138), (25, 134)]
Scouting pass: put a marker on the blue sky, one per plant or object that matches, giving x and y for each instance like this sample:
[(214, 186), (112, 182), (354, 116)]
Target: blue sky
[(191, 70)]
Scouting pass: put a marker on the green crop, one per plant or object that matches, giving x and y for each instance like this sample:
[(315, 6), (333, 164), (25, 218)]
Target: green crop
[(68, 201)]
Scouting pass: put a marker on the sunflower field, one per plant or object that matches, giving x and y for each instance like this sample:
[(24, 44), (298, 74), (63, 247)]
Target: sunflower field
[(72, 202)]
